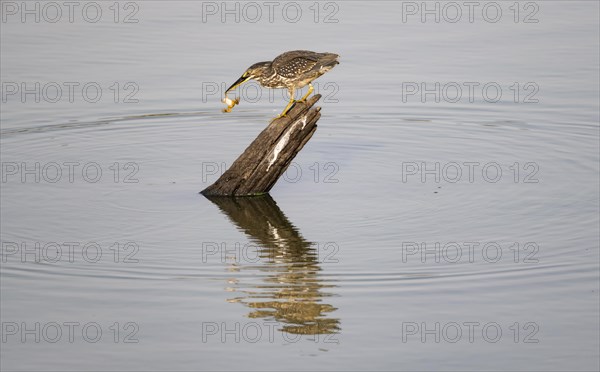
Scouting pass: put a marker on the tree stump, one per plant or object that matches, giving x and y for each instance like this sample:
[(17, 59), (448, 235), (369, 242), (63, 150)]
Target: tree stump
[(269, 155)]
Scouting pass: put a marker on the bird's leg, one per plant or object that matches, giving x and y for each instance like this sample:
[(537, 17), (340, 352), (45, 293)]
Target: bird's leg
[(310, 90), (289, 105)]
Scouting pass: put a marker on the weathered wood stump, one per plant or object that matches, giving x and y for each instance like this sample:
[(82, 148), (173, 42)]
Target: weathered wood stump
[(269, 155)]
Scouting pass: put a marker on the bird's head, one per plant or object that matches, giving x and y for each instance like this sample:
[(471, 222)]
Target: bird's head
[(256, 70)]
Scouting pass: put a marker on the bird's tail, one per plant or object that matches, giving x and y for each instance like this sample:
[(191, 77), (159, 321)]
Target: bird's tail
[(330, 59)]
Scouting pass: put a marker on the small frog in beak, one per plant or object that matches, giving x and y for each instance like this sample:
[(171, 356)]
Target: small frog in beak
[(230, 103)]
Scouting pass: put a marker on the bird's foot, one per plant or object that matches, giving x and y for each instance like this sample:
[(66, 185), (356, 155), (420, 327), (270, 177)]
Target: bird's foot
[(310, 90), (287, 109)]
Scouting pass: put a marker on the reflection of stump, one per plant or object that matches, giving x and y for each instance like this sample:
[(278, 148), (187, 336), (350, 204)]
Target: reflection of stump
[(268, 156), (293, 291), (262, 220)]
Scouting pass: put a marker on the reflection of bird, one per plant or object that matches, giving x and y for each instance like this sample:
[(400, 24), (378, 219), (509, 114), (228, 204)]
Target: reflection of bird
[(291, 70)]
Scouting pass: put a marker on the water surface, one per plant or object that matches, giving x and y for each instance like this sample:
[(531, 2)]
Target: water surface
[(408, 234)]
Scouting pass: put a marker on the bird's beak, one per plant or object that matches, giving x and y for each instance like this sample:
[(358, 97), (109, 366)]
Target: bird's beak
[(239, 81)]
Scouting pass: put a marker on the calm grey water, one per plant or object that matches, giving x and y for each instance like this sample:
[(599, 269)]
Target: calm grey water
[(421, 228)]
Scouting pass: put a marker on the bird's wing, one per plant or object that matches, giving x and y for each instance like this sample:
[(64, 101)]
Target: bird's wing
[(294, 66)]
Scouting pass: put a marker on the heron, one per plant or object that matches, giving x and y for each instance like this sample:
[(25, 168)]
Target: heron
[(292, 70)]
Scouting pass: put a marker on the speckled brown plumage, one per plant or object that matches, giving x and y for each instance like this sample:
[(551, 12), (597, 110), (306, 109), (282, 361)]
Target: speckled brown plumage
[(292, 70)]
